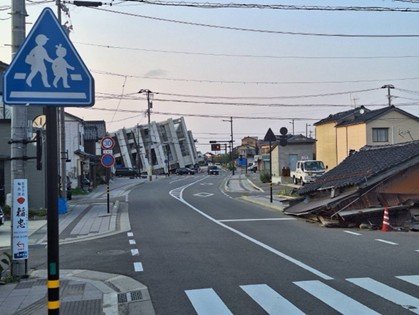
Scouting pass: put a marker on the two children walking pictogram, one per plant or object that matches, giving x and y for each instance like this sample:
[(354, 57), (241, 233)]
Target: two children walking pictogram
[(37, 58)]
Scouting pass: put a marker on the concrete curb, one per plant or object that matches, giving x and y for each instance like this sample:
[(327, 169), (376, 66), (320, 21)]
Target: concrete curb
[(262, 203), (111, 285), (254, 186)]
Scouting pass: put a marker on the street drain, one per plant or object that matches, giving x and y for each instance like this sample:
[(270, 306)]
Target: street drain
[(130, 296)]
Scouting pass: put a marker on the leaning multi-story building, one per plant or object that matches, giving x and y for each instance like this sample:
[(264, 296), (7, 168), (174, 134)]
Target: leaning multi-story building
[(171, 146)]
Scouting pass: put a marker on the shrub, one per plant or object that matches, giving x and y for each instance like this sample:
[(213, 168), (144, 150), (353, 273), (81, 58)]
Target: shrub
[(264, 177)]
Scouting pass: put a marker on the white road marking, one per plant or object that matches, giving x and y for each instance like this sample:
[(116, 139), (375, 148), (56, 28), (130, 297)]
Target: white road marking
[(272, 302), (135, 252), (411, 279), (130, 234), (207, 302), (417, 250), (132, 242), (265, 219), (203, 194), (353, 233), (400, 298), (138, 267), (49, 95), (384, 241), (20, 76), (178, 194), (76, 77), (335, 299)]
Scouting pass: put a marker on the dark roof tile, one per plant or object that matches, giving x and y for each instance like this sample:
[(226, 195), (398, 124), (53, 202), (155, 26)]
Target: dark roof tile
[(370, 161)]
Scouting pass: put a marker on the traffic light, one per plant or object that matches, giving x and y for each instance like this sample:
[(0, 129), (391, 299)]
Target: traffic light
[(283, 138), (215, 147)]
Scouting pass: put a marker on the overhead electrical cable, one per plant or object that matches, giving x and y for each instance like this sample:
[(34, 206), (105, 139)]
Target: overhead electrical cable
[(213, 5), (251, 82), (246, 55), (204, 115), (258, 30)]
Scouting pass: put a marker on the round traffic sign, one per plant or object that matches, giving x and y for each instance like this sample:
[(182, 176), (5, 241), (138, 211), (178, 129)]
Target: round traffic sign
[(107, 160), (107, 143)]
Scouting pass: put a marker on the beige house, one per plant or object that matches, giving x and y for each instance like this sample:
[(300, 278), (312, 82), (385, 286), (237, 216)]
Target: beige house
[(341, 133)]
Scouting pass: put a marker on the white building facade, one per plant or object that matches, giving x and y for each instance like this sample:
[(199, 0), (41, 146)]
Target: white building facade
[(169, 144)]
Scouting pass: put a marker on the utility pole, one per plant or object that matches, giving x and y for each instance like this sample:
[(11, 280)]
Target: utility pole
[(231, 143), (388, 87), (19, 121), (307, 129), (149, 107), (293, 124)]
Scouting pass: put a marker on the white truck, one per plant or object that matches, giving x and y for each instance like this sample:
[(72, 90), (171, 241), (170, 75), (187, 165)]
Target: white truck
[(307, 171)]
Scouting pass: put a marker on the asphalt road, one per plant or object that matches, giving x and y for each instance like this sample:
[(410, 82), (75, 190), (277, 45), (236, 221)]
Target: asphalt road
[(205, 252), (202, 250)]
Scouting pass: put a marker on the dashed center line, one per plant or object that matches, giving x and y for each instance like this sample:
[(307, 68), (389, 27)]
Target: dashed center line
[(135, 252), (384, 241), (132, 242), (353, 233), (138, 267), (130, 234)]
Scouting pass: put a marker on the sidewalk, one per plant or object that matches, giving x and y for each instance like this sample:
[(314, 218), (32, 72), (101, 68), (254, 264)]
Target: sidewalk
[(81, 291), (259, 192)]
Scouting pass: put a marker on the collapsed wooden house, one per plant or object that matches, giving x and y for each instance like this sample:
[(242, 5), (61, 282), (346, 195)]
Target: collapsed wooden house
[(358, 189)]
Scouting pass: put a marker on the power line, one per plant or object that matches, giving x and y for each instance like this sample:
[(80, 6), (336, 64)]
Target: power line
[(203, 115), (209, 5), (252, 82), (260, 30), (245, 55)]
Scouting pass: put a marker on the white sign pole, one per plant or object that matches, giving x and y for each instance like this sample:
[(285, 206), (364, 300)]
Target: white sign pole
[(20, 219)]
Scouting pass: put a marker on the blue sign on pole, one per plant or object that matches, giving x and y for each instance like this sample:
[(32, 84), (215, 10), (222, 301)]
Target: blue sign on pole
[(47, 70)]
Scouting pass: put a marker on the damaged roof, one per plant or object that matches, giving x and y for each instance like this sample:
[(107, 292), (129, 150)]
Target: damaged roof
[(365, 164)]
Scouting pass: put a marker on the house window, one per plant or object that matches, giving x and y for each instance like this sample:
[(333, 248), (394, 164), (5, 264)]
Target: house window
[(379, 134)]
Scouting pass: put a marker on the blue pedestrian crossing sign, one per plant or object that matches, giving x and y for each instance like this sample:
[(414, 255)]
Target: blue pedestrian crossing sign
[(47, 70)]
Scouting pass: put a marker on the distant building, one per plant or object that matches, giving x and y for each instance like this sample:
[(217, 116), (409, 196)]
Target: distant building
[(171, 144)]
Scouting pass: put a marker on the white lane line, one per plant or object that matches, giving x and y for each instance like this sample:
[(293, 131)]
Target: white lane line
[(411, 279), (353, 233), (335, 299), (130, 234), (417, 250), (384, 241), (272, 302), (249, 220), (135, 252), (178, 194), (132, 242), (400, 298), (138, 267), (207, 302)]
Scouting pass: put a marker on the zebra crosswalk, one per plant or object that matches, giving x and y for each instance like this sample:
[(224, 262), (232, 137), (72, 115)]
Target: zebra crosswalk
[(207, 301)]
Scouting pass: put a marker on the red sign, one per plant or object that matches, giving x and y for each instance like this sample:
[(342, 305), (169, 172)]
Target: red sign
[(107, 143)]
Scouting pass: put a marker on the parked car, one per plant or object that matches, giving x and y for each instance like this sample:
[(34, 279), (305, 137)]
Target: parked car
[(213, 170), (126, 171), (307, 171), (185, 171), (1, 216)]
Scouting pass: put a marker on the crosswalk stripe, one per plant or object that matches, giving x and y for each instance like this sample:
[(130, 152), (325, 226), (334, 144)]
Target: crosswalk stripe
[(411, 279), (405, 300), (335, 299), (272, 302), (207, 302)]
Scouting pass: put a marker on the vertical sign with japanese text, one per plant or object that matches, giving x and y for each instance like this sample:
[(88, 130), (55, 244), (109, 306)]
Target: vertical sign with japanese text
[(20, 219)]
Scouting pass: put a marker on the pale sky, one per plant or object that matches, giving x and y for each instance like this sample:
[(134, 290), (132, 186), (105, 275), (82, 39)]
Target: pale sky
[(142, 55)]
